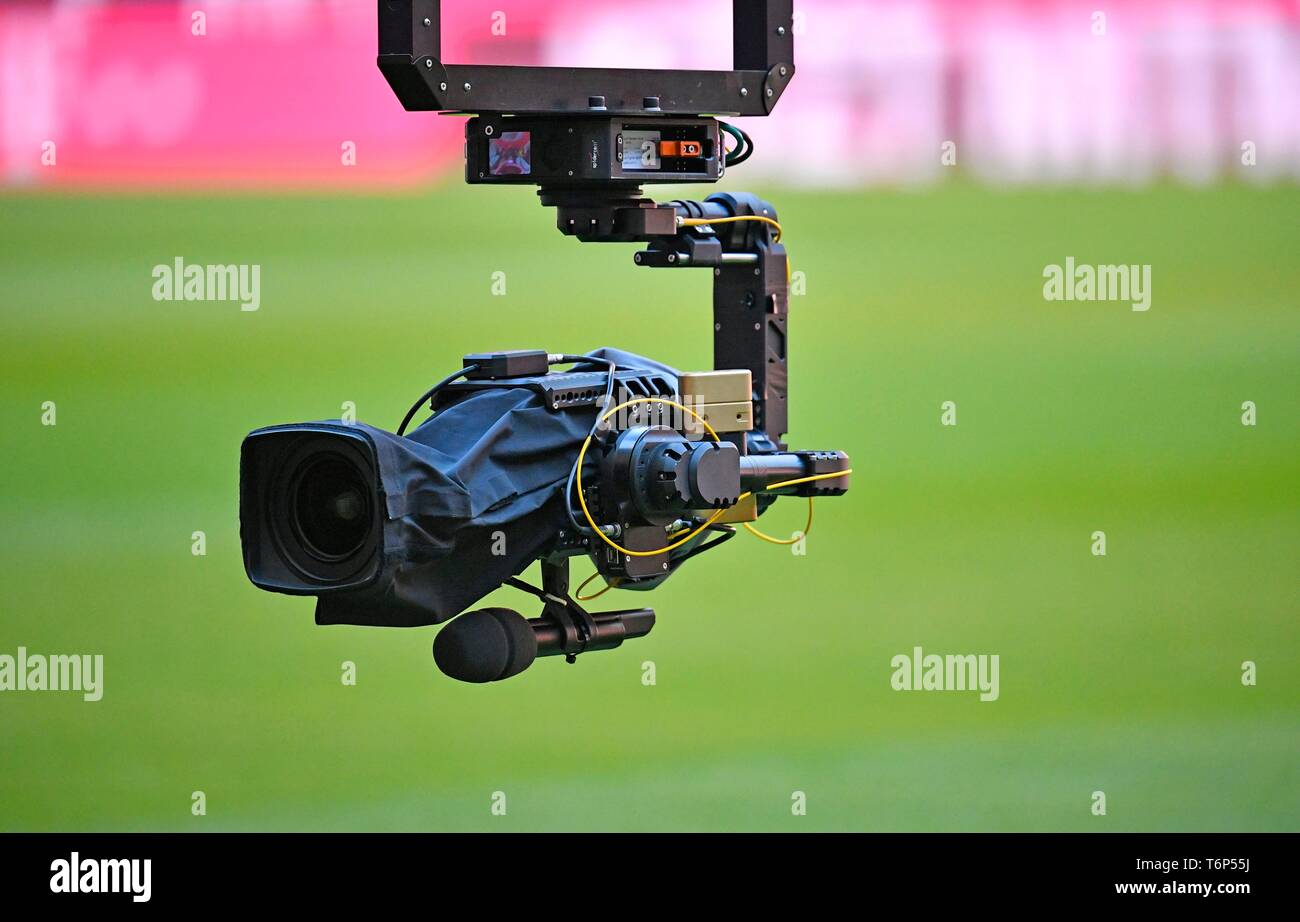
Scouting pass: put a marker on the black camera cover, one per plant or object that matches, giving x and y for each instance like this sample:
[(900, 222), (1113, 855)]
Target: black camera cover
[(471, 498)]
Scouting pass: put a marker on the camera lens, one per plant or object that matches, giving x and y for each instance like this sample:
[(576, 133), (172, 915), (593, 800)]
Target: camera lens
[(331, 508), (310, 508)]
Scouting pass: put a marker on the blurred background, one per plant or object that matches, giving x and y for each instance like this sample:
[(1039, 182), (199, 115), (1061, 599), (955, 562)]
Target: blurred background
[(929, 160)]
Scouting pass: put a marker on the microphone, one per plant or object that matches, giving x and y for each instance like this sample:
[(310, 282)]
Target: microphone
[(486, 645), (492, 644)]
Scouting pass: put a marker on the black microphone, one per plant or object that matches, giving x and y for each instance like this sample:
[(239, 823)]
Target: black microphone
[(485, 645), (491, 644)]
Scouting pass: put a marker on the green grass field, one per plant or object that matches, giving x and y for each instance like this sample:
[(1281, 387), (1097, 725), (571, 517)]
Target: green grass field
[(1119, 674)]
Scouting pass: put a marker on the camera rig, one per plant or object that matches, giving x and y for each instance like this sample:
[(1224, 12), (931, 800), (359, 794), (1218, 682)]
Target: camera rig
[(629, 462)]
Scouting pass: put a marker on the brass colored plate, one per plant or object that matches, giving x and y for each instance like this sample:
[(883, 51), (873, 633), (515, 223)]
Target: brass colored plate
[(725, 386), (723, 417)]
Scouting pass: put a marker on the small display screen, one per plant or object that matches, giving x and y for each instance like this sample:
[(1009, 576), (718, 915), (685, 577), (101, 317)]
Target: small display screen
[(510, 154), (641, 150)]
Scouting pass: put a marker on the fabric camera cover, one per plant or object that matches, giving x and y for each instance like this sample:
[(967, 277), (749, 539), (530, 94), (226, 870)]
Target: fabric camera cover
[(472, 496)]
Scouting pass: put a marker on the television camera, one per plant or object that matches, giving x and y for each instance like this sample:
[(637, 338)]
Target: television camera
[(531, 455)]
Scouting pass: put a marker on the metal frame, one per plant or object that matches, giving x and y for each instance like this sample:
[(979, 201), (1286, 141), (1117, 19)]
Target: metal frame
[(410, 57)]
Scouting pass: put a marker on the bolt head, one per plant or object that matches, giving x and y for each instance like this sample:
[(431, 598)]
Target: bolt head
[(443, 86), (427, 22), (744, 91), (769, 91), (467, 88), (783, 70), (428, 63), (780, 30)]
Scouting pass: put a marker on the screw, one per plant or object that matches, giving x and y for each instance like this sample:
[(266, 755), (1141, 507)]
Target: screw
[(758, 326), (780, 30), (665, 566), (443, 86), (427, 22), (636, 258), (672, 257), (783, 70), (769, 91), (488, 130), (744, 91), (716, 327), (428, 63), (570, 172), (467, 88), (717, 271), (756, 272)]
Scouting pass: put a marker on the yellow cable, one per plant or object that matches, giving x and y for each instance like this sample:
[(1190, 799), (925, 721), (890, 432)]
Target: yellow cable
[(790, 483), (770, 540), (582, 499), (745, 495), (587, 598), (798, 480), (704, 222)]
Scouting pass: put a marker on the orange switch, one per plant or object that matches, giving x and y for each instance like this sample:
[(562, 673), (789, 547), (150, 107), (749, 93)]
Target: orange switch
[(667, 148)]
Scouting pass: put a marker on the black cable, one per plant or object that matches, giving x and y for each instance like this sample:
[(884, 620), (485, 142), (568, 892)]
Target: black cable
[(515, 583), (739, 139), (744, 144), (728, 534), (428, 395), (749, 149)]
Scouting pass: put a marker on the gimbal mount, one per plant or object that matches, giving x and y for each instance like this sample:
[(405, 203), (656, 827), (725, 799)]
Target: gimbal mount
[(750, 273), (750, 306)]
